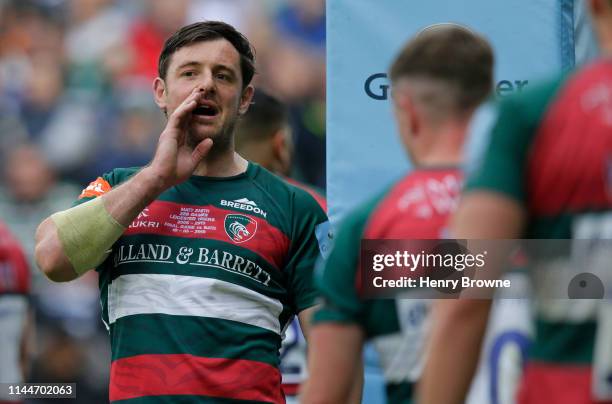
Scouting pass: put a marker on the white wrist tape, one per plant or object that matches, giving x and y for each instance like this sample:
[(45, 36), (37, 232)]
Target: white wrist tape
[(87, 233)]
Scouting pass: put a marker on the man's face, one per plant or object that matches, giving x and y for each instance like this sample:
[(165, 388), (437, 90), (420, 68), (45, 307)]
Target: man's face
[(214, 67)]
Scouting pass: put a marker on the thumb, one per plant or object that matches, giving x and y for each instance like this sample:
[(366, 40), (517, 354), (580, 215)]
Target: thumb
[(201, 150)]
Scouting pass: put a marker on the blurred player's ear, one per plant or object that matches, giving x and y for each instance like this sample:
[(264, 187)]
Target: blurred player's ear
[(159, 91), (599, 7), (414, 118), (245, 100), (406, 113), (595, 6), (281, 151)]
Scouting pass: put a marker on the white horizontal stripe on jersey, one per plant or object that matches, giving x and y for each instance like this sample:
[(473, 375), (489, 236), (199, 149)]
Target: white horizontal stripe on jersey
[(191, 296)]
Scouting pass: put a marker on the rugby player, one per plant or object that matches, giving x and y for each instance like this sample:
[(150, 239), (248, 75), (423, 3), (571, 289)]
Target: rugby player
[(264, 136), (438, 80), (204, 258), (545, 175)]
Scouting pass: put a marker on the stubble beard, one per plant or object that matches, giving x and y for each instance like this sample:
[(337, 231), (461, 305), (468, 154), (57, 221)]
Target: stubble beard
[(222, 140)]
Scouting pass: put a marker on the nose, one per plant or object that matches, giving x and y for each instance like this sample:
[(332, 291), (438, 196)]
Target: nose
[(207, 84)]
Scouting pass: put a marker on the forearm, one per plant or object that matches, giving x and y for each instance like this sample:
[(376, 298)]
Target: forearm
[(454, 349), (357, 383), (334, 364), (70, 241), (125, 202), (63, 234)]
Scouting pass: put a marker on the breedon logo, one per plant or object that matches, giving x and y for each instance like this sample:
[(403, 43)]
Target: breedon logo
[(240, 228), (244, 204)]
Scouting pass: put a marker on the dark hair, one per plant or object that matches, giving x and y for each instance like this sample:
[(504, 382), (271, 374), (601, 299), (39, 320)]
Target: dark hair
[(452, 54), (207, 31), (266, 116)]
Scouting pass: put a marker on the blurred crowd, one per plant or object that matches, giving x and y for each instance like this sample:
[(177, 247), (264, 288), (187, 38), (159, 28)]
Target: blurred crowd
[(76, 100)]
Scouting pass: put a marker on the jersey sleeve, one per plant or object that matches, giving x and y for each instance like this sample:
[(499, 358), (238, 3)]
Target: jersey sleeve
[(308, 241), (96, 188), (104, 184), (336, 278), (502, 165)]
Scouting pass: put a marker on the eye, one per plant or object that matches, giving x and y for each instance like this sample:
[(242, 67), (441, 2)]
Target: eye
[(188, 73), (222, 76)]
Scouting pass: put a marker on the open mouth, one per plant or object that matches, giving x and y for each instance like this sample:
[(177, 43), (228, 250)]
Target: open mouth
[(206, 110)]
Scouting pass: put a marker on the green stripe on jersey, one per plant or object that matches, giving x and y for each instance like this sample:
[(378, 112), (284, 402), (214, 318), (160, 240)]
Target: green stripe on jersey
[(563, 342), (397, 393), (337, 286), (336, 278), (199, 336), (504, 167)]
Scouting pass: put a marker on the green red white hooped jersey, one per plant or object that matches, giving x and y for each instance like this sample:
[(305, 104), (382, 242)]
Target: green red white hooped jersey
[(417, 207), (198, 291), (551, 150)]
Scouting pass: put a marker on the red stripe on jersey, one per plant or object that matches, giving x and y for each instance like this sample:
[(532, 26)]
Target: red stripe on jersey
[(14, 271), (570, 163), (193, 221), (418, 207), (291, 389), (161, 375), (559, 384)]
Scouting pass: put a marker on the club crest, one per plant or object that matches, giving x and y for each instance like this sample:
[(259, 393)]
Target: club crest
[(240, 228)]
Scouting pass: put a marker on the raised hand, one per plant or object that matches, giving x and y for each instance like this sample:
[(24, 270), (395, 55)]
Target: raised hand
[(174, 159)]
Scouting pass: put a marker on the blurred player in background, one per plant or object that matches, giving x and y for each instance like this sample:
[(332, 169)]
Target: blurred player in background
[(438, 80), (16, 320), (263, 136), (545, 175), (204, 258)]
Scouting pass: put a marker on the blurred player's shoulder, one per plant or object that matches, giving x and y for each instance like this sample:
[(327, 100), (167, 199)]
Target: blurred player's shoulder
[(415, 205), (316, 193), (14, 268)]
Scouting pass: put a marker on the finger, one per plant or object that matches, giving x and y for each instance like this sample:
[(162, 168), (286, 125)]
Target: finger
[(201, 150), (185, 108)]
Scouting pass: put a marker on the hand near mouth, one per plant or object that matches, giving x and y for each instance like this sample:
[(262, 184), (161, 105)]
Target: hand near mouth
[(174, 159)]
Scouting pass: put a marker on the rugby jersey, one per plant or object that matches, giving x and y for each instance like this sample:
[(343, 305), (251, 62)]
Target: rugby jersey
[(199, 289), (417, 207), (551, 151)]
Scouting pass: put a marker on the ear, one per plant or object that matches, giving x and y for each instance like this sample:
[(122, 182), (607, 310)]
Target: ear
[(159, 92), (595, 7), (245, 100), (406, 107), (599, 7), (281, 151), (415, 118)]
